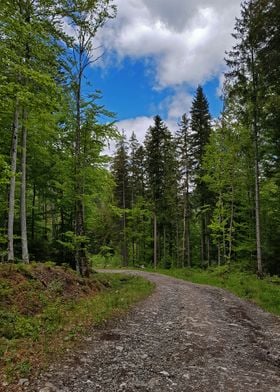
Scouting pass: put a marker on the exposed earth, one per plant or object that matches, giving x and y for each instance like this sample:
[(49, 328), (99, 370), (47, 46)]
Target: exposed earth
[(184, 337)]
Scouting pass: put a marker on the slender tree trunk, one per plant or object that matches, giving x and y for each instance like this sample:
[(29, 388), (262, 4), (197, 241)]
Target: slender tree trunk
[(184, 235), (11, 212), (256, 164), (62, 223), (24, 241), (33, 213), (81, 260), (207, 240), (231, 225), (188, 243), (258, 226), (219, 253), (202, 241), (188, 216), (164, 245), (155, 240), (177, 246), (45, 218), (124, 251)]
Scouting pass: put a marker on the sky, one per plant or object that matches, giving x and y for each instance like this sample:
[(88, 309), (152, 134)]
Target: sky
[(156, 52)]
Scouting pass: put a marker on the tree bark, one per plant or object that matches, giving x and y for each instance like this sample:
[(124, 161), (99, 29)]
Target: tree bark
[(11, 212), (155, 240), (24, 241), (33, 213), (256, 164), (184, 235), (124, 250), (202, 242)]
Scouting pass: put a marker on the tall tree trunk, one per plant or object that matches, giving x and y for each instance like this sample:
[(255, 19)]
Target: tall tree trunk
[(219, 252), (184, 236), (202, 241), (188, 245), (155, 240), (24, 242), (33, 213), (81, 259), (207, 240), (256, 164), (231, 225), (11, 212), (164, 245), (188, 216), (124, 250), (257, 201)]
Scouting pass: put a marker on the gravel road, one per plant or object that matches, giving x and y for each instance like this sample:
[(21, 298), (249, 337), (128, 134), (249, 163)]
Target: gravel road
[(184, 337)]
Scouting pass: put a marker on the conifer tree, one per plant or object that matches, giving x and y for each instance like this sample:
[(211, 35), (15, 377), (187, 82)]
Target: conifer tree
[(185, 163), (201, 129), (245, 81), (155, 173), (162, 187), (120, 170)]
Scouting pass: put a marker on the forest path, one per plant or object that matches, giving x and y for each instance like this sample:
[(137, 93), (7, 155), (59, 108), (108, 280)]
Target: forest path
[(184, 337)]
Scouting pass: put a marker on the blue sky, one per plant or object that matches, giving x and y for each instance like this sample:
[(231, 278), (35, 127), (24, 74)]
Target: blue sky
[(128, 91), (156, 52)]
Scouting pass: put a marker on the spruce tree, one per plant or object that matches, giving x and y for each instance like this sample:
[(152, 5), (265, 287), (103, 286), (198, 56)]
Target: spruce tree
[(120, 170), (162, 187), (201, 129), (244, 80), (155, 174), (185, 163)]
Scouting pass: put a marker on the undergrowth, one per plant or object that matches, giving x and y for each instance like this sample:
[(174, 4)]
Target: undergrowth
[(44, 310)]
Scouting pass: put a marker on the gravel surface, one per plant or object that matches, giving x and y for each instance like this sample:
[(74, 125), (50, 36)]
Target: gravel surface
[(184, 337)]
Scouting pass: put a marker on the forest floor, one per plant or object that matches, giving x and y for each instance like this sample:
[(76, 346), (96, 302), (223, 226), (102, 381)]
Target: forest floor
[(47, 311), (184, 337)]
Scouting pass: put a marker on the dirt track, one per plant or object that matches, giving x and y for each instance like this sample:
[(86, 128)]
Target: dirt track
[(184, 337)]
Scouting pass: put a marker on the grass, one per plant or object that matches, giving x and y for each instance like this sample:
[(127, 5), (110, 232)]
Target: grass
[(46, 310), (263, 292)]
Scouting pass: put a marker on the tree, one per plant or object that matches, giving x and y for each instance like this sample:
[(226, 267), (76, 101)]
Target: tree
[(120, 170), (30, 60), (201, 129), (161, 170), (185, 162), (226, 174), (245, 77), (86, 18)]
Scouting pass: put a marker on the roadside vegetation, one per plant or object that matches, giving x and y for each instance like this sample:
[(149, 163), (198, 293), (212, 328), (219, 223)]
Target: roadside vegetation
[(45, 310), (264, 292)]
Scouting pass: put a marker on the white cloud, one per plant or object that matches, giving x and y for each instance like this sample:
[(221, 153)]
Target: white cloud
[(138, 125), (187, 39), (176, 105)]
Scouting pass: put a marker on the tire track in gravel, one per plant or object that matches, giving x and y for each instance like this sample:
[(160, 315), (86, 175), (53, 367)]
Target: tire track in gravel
[(184, 337)]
